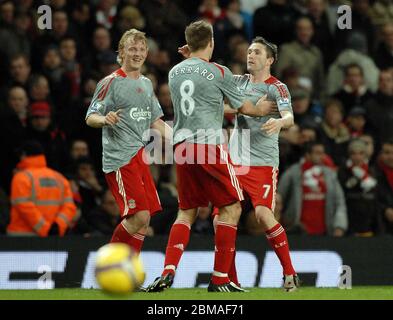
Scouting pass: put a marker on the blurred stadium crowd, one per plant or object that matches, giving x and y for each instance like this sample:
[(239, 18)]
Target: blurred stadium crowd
[(336, 172)]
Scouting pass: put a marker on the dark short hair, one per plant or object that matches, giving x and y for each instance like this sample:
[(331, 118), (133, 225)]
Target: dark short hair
[(84, 160), (271, 48), (30, 148), (334, 102), (34, 80), (351, 66), (198, 35), (20, 56), (388, 141), (309, 123), (309, 146)]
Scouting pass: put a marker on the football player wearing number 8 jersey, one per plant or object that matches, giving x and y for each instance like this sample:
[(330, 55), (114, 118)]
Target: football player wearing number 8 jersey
[(204, 171), (261, 162)]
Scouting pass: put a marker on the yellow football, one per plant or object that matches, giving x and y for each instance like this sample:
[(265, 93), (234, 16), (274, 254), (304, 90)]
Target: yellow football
[(118, 269)]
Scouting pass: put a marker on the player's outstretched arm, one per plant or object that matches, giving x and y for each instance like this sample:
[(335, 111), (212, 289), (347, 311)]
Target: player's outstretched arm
[(96, 120), (273, 126), (165, 130)]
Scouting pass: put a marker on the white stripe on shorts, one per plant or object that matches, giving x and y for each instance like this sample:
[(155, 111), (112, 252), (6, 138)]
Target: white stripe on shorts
[(234, 181), (121, 190)]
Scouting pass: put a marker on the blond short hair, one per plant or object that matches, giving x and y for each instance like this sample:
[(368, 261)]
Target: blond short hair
[(132, 33)]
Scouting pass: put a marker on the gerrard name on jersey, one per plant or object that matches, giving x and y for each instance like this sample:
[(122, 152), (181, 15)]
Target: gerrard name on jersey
[(188, 70)]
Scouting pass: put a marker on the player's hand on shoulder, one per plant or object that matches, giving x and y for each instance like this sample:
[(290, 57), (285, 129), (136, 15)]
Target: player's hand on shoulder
[(112, 118), (272, 126)]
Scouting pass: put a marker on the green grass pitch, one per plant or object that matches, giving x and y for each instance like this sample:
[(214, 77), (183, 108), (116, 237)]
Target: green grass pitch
[(304, 293)]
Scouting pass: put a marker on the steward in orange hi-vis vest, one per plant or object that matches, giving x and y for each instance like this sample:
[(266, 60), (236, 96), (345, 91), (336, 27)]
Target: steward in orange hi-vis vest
[(41, 198)]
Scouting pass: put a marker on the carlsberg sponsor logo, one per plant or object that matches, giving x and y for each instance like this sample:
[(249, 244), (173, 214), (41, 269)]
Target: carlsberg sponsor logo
[(140, 114)]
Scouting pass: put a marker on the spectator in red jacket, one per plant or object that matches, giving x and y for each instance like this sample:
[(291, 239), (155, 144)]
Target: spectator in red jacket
[(313, 199), (41, 128)]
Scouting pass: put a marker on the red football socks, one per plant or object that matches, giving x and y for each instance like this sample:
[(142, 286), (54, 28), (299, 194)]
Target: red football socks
[(177, 243), (279, 242), (232, 274), (135, 241), (225, 240)]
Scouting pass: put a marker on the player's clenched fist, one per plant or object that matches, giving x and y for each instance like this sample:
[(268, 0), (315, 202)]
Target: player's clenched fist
[(112, 118)]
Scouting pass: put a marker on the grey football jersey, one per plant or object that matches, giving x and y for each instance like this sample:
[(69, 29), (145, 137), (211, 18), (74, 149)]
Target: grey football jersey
[(198, 88), (139, 109), (260, 149)]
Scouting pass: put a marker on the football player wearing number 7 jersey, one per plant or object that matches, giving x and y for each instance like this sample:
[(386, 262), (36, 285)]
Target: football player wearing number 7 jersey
[(204, 171), (260, 181)]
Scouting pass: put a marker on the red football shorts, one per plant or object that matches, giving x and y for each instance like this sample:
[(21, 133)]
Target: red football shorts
[(133, 187), (260, 183), (205, 174)]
